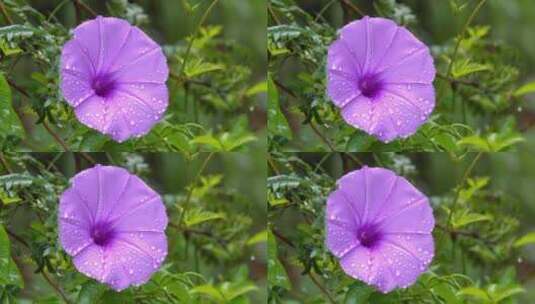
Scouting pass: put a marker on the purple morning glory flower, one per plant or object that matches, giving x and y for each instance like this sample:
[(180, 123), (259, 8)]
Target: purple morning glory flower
[(112, 224), (381, 77), (114, 75), (379, 226)]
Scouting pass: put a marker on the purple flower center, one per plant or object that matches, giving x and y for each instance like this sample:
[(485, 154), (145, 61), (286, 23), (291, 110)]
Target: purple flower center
[(370, 85), (369, 235), (103, 85), (102, 234)]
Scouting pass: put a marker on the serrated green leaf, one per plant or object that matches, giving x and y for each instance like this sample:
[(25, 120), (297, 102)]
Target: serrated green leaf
[(196, 67), (465, 67), (466, 218), (198, 216)]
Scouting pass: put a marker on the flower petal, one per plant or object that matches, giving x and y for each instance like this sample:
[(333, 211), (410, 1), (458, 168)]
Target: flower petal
[(114, 36), (340, 210), (75, 209), (355, 36), (415, 67), (73, 237), (340, 239), (412, 216), (127, 264), (340, 59), (93, 112), (113, 182), (403, 264), (342, 89), (358, 263), (146, 215), (91, 262), (141, 64), (360, 113)]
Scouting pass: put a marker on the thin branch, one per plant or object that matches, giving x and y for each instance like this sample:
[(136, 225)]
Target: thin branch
[(85, 7), (5, 163), (283, 238), (311, 275), (459, 81), (353, 7), (273, 165), (323, 289), (192, 184), (56, 287), (461, 184), (273, 14), (190, 44), (45, 276), (5, 14), (321, 136), (462, 33), (55, 136), (45, 124)]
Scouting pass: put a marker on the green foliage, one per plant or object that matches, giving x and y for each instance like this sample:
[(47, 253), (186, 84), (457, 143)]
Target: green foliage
[(214, 243), (475, 230), (477, 83), (211, 85)]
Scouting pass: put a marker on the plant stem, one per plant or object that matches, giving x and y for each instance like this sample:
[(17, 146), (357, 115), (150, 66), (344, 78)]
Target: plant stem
[(85, 7), (5, 163), (353, 7), (56, 287), (192, 185), (462, 33), (56, 137), (312, 277), (45, 124), (5, 14), (321, 136), (45, 276), (461, 184), (190, 44)]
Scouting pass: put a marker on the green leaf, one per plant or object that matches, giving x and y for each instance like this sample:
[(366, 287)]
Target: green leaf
[(198, 216), (525, 240), (277, 123), (277, 275), (464, 67), (233, 290), (358, 293), (476, 293), (9, 121), (91, 292), (528, 88), (210, 291), (196, 67), (258, 88), (9, 272), (466, 218), (16, 30), (260, 237), (506, 292)]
